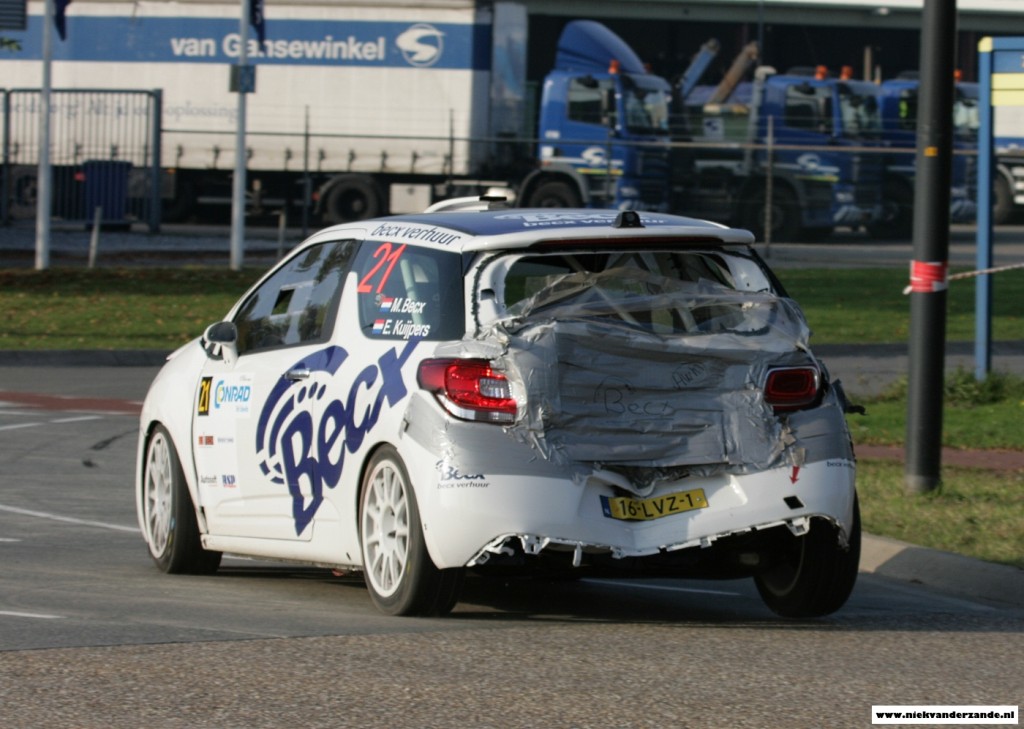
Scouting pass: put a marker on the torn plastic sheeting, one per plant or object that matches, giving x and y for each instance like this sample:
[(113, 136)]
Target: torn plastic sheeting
[(705, 313), (595, 394)]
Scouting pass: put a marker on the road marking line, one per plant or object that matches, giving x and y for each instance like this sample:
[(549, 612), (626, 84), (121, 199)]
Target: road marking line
[(19, 425), (41, 616), (68, 519), (78, 420)]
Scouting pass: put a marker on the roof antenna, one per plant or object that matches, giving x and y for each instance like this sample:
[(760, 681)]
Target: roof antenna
[(628, 219)]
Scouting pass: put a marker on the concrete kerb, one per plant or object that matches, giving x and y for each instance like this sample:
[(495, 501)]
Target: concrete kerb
[(943, 571)]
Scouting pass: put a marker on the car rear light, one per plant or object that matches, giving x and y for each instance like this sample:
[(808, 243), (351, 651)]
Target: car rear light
[(792, 388), (469, 389)]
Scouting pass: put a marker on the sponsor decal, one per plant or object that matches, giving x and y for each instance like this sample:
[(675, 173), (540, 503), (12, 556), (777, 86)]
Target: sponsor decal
[(306, 455), (205, 388), (231, 395), (422, 233), (535, 219), (227, 480), (204, 441), (208, 480), (451, 478)]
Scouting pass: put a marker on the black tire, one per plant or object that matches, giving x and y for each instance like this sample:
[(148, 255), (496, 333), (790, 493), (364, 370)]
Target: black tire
[(183, 206), (351, 198), (897, 221), (169, 518), (398, 571), (1002, 200), (812, 575), (554, 194), (786, 226), (816, 235)]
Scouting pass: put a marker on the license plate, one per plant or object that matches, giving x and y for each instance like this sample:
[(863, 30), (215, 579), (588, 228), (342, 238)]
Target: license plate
[(630, 509)]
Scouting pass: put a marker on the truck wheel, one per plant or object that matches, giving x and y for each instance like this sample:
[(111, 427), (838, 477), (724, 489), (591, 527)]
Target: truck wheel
[(1002, 200), (182, 206), (554, 194), (785, 215), (398, 571), (170, 527), (352, 198), (812, 575), (897, 221)]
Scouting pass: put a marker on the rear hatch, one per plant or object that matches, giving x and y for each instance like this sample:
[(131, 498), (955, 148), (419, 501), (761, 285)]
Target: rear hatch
[(651, 359)]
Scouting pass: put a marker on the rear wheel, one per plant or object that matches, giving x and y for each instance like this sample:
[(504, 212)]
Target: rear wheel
[(351, 198), (812, 575), (169, 518), (398, 571), (897, 221)]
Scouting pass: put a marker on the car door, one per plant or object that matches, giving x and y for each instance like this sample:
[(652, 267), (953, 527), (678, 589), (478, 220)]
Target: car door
[(254, 420)]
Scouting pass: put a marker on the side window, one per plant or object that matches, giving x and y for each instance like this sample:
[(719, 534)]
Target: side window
[(584, 102), (297, 304), (808, 109), (408, 291)]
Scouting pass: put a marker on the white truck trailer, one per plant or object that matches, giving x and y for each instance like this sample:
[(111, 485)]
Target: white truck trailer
[(382, 106)]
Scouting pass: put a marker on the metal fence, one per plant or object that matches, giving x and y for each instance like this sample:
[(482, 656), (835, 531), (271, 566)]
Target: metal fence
[(104, 153)]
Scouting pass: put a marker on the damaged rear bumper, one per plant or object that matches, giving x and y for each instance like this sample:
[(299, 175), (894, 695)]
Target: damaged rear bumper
[(500, 516)]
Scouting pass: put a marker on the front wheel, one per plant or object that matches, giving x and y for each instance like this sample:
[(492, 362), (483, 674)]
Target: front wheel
[(785, 214), (812, 575), (1002, 200), (398, 571), (554, 194), (169, 519)]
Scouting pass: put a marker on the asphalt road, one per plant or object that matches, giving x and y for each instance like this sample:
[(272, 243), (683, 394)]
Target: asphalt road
[(92, 635)]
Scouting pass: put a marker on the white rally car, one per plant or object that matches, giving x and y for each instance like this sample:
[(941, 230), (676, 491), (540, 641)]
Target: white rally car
[(415, 396)]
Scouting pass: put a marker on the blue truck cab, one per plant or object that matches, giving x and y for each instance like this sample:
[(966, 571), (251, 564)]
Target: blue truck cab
[(821, 176), (897, 102), (603, 127)]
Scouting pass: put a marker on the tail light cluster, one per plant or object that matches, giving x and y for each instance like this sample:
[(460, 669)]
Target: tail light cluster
[(469, 389), (792, 388)]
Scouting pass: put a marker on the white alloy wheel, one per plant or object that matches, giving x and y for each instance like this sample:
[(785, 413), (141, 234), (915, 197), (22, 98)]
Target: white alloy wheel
[(385, 528), (157, 490), (398, 571), (169, 518)]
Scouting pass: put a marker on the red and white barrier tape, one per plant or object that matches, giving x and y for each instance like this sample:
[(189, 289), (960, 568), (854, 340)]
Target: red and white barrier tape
[(927, 278)]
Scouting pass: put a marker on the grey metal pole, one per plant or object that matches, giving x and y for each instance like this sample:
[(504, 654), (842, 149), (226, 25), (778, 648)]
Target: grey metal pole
[(239, 182), (929, 267), (983, 235), (44, 180)]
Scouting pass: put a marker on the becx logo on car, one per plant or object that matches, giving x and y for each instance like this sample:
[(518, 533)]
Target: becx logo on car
[(290, 445)]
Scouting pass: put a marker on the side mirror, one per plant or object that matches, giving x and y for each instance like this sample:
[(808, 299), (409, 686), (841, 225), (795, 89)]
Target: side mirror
[(220, 341)]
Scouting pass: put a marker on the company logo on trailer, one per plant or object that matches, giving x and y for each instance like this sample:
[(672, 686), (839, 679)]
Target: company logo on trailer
[(421, 45)]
